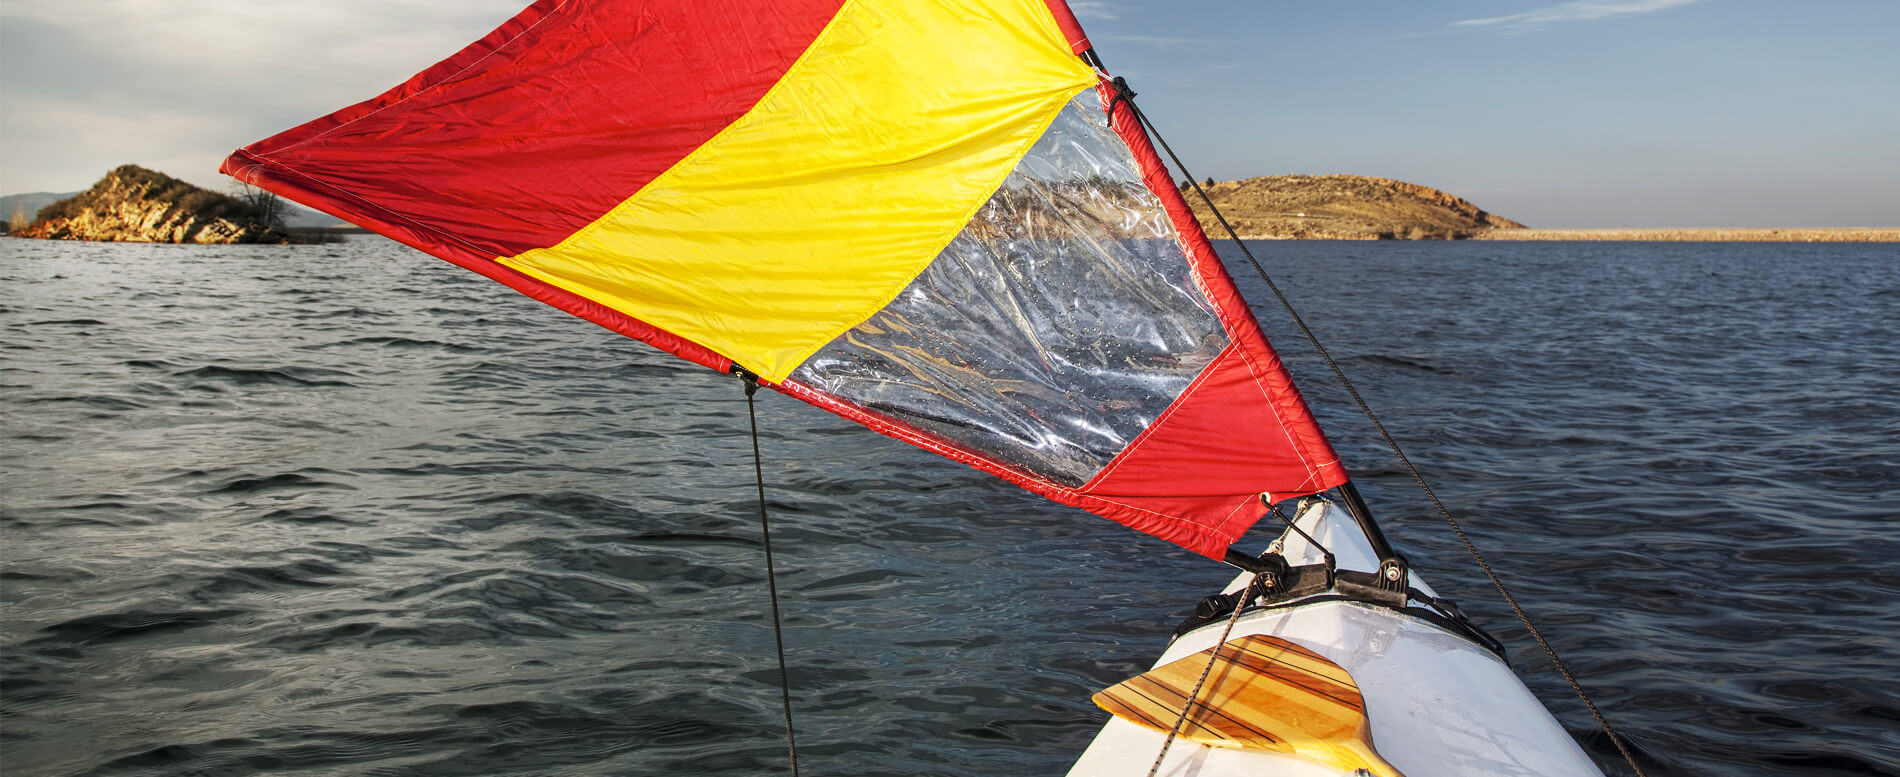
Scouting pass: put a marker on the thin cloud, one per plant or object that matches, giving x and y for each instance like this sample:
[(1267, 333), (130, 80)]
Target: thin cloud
[(176, 84), (1093, 10), (1157, 41), (1576, 11)]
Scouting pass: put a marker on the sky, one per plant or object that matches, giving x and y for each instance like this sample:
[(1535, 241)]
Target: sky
[(1582, 114)]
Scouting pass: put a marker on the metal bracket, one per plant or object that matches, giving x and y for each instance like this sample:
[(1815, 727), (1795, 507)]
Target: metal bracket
[(1394, 575), (750, 378)]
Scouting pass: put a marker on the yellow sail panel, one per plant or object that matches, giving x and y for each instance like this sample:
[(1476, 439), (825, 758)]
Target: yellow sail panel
[(812, 211)]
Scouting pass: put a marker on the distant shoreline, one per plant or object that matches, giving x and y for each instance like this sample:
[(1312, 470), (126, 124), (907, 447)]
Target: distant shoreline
[(1861, 235)]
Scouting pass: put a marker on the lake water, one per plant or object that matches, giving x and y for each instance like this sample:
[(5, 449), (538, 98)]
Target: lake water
[(346, 510)]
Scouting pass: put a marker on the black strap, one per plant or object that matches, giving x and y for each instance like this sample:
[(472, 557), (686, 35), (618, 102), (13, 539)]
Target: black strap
[(771, 571), (1123, 94)]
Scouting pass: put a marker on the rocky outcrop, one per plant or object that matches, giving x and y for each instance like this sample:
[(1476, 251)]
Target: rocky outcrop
[(1339, 207), (133, 204)]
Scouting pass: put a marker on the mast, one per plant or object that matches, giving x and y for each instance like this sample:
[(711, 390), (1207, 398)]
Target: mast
[(1362, 515)]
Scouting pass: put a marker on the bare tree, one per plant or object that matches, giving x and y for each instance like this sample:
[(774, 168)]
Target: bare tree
[(270, 208)]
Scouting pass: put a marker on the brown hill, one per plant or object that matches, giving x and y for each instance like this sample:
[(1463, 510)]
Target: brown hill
[(1340, 207), (135, 205)]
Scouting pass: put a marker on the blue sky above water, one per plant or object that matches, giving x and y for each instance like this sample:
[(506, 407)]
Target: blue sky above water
[(1596, 113), (1581, 114)]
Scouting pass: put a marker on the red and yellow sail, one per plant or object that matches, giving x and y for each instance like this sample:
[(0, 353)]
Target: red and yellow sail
[(915, 213)]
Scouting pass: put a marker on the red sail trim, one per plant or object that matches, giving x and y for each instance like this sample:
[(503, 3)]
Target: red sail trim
[(1293, 415), (548, 157), (1191, 443), (1208, 538), (290, 184), (1071, 29)]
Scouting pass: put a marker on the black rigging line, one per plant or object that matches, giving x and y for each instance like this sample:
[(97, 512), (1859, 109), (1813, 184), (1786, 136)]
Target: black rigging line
[(771, 574), (1275, 511), (1244, 597), (1127, 95)]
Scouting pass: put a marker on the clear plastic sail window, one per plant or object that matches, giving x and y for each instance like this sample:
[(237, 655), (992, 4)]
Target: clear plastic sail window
[(1053, 330)]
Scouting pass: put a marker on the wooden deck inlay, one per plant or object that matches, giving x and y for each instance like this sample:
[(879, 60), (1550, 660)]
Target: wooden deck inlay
[(1263, 693)]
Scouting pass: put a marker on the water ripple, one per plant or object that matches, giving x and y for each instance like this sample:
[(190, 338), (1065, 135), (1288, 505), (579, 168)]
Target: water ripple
[(422, 525)]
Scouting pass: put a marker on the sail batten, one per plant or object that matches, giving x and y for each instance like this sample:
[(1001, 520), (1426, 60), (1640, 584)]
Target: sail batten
[(919, 220)]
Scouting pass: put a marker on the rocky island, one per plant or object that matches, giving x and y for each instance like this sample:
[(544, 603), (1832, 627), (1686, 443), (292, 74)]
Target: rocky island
[(136, 205), (1339, 207), (1351, 207)]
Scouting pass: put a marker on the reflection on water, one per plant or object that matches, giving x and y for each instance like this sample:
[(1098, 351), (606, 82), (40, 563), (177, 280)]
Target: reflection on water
[(346, 509)]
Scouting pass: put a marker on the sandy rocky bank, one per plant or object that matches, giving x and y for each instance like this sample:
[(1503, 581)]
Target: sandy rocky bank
[(1351, 207), (134, 205)]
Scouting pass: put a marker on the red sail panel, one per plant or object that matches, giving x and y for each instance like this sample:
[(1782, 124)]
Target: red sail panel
[(534, 131), (1207, 459), (550, 121)]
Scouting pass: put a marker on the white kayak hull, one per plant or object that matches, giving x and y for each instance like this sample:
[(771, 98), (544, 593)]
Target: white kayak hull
[(1439, 705)]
